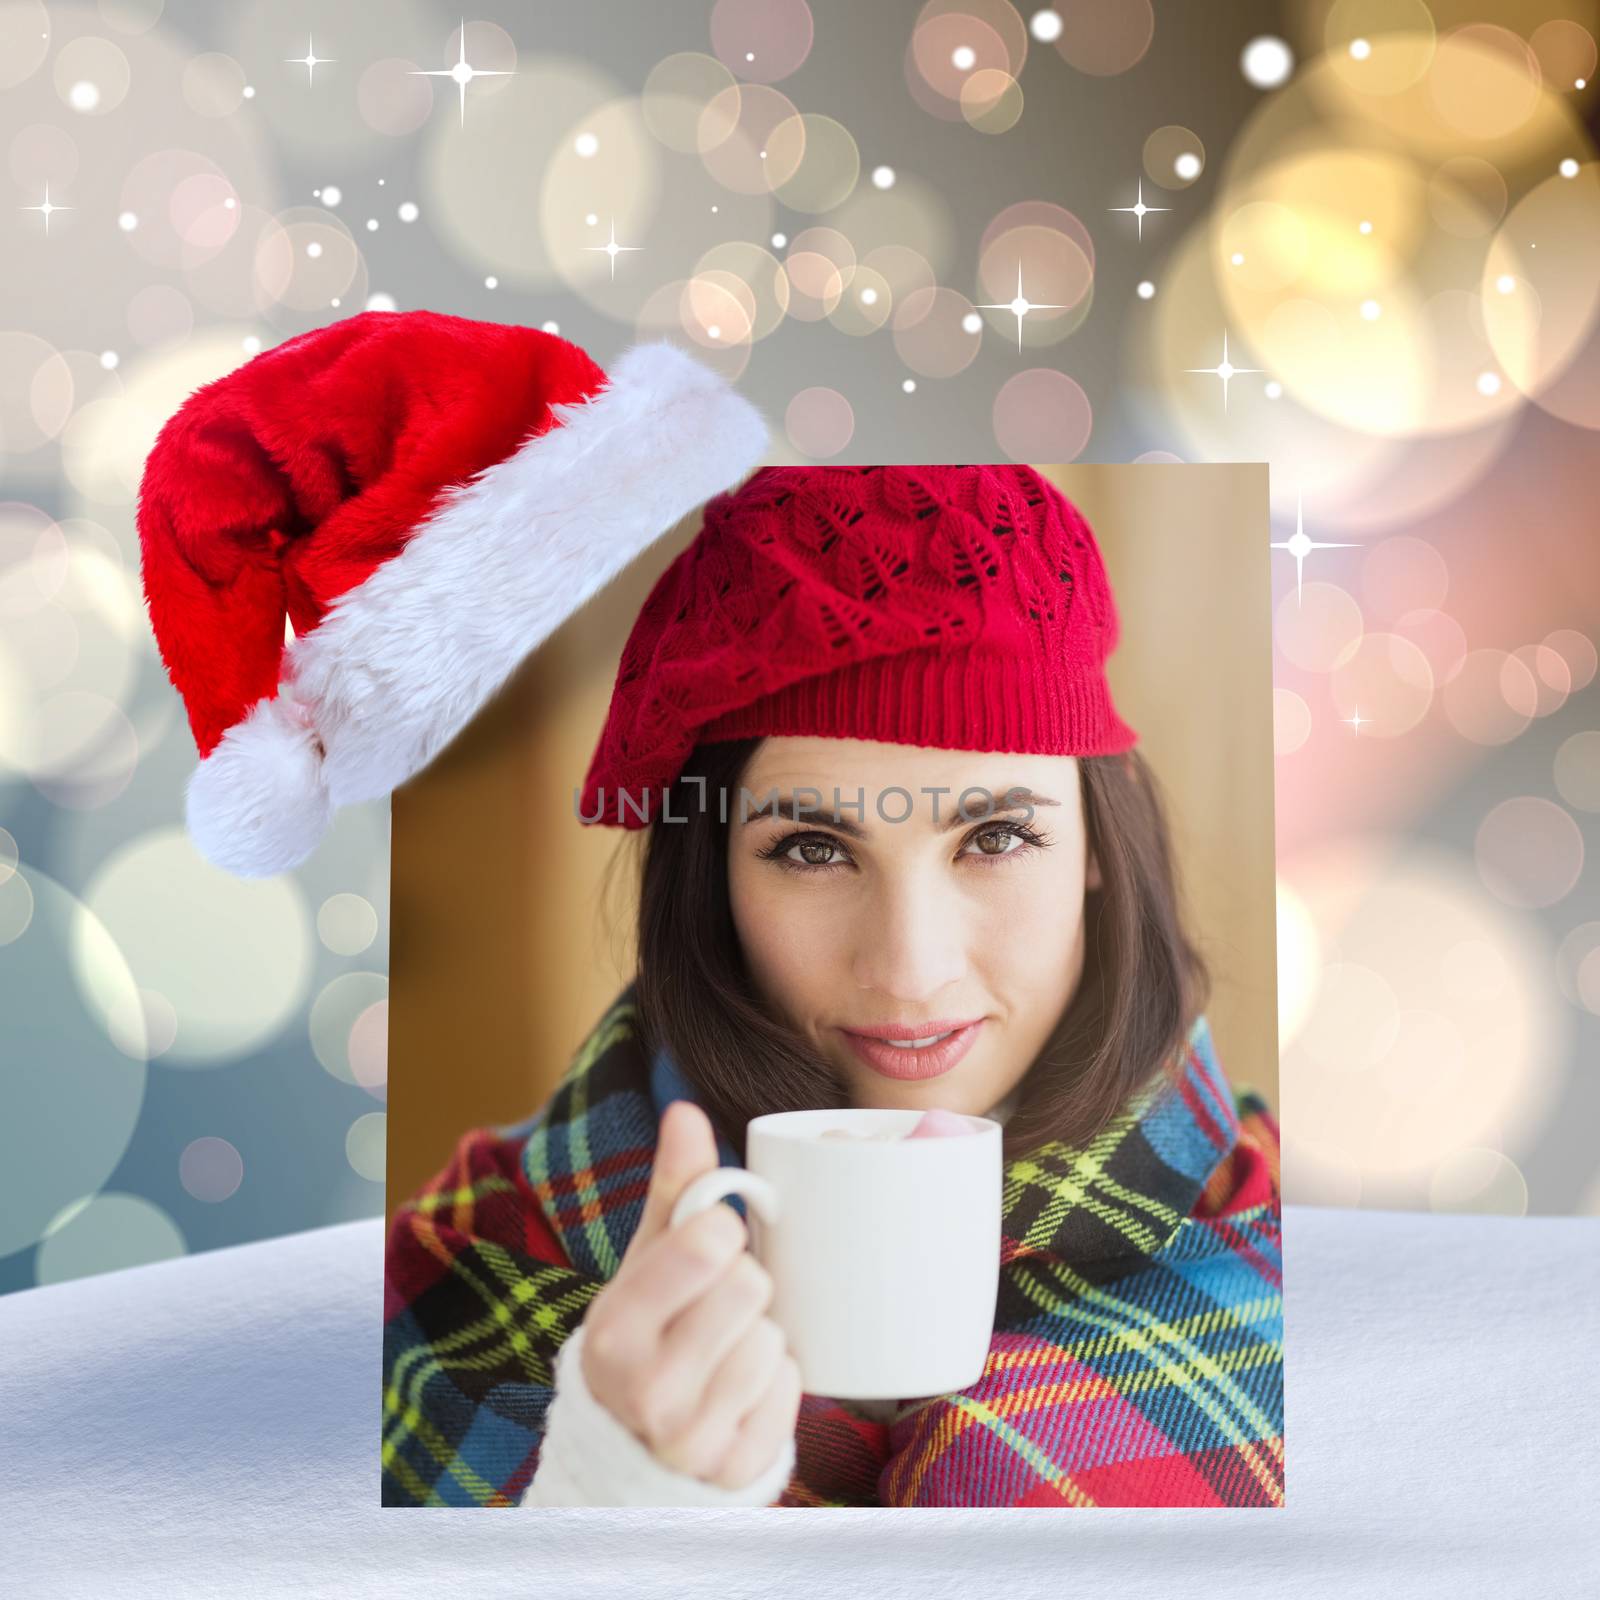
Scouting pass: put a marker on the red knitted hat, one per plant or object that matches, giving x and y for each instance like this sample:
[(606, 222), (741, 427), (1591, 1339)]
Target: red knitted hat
[(954, 607), (423, 498)]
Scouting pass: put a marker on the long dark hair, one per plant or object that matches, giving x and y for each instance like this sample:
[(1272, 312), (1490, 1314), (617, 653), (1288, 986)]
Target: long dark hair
[(1142, 987)]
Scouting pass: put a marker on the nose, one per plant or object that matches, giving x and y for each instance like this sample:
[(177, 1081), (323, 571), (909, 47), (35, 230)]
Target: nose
[(912, 939)]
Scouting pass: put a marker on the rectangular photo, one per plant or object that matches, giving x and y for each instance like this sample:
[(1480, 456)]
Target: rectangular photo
[(833, 1016)]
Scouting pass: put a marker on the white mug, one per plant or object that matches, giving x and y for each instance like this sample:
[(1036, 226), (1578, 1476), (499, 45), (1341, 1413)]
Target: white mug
[(884, 1255)]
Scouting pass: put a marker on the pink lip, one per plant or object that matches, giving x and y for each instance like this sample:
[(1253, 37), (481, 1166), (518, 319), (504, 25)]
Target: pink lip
[(929, 1062), (920, 1030)]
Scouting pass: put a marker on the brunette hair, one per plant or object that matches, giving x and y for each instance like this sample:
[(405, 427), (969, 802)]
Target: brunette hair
[(1142, 987)]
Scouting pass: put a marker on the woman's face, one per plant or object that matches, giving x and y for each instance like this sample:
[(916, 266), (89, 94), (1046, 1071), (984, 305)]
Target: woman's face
[(916, 925)]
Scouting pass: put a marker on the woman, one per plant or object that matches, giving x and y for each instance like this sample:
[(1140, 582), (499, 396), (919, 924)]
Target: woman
[(863, 730)]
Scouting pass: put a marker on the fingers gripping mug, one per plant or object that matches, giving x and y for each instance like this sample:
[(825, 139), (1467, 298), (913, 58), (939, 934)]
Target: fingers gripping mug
[(884, 1251)]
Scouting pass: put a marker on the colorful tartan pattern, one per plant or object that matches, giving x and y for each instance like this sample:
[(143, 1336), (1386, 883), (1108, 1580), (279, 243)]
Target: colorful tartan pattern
[(1137, 1357)]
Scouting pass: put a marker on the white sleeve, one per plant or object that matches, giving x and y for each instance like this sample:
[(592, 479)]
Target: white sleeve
[(590, 1458)]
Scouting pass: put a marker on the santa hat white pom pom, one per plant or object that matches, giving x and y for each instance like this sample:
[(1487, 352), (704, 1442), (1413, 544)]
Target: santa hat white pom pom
[(430, 497), (258, 804)]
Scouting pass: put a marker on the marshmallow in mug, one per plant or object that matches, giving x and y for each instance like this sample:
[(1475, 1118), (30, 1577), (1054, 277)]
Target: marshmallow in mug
[(933, 1124)]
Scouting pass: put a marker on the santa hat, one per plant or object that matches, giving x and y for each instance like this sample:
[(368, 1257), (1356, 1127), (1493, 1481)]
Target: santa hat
[(425, 499)]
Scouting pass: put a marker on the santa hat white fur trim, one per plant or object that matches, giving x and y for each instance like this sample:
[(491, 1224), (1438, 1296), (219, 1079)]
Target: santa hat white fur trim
[(257, 805), (401, 663)]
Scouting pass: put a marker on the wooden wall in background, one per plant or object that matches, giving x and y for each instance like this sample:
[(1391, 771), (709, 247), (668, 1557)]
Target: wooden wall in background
[(511, 923), (1187, 549)]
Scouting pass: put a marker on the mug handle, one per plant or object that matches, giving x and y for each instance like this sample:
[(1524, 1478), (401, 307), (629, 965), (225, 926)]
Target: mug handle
[(720, 1182)]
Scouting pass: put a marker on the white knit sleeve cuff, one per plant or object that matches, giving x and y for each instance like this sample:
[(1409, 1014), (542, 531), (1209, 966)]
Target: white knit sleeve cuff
[(590, 1458)]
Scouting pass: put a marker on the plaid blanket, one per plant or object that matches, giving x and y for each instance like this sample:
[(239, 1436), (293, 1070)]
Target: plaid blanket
[(1137, 1357)]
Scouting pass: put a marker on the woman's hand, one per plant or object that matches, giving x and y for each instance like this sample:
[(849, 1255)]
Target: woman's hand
[(678, 1345)]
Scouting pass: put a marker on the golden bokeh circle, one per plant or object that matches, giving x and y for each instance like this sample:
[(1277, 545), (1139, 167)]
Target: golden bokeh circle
[(1173, 156), (676, 92), (1546, 335)]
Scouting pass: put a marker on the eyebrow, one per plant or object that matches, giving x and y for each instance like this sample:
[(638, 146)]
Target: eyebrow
[(787, 808)]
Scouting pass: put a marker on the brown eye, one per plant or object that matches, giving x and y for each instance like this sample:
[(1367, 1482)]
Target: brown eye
[(1001, 833), (1000, 839), (814, 850)]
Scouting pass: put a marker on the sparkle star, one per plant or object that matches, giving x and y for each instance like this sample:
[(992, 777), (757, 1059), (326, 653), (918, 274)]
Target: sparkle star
[(463, 72), (1300, 546), (47, 210), (310, 60), (1224, 369), (1021, 306), (1357, 721), (1140, 210), (613, 249)]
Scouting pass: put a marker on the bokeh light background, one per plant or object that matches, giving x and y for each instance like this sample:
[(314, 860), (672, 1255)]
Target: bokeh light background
[(1356, 240)]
